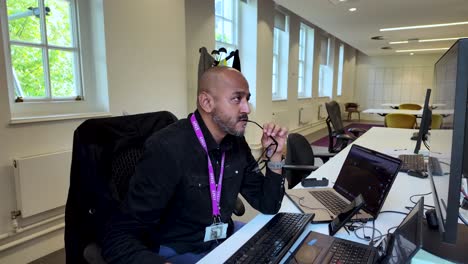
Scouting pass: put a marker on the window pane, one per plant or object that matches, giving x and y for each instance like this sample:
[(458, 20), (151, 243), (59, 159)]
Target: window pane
[(23, 20), (300, 73), (274, 88), (301, 53), (27, 66), (275, 65), (228, 10), (300, 85), (228, 34), (219, 29), (58, 23), (62, 79), (275, 40), (219, 7)]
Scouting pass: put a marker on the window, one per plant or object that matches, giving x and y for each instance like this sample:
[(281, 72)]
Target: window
[(45, 63), (339, 87), (306, 61), (226, 24), (325, 70), (44, 50), (280, 57)]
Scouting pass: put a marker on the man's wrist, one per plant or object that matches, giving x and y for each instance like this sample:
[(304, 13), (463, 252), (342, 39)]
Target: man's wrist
[(275, 165), (276, 157)]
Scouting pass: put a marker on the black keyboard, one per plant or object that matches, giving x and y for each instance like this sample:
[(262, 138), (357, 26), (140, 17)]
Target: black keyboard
[(346, 252), (272, 242), (412, 162), (434, 165), (330, 200)]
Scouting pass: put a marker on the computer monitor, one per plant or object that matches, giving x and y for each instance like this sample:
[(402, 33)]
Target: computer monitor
[(426, 120), (450, 145)]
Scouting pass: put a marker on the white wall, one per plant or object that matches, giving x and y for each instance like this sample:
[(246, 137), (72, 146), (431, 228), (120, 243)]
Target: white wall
[(392, 79), (145, 45)]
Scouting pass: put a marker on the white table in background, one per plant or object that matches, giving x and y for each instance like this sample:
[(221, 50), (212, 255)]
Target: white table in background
[(418, 113), (395, 106)]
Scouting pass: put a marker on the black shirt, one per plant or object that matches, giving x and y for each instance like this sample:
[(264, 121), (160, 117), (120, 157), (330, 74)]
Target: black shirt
[(169, 201)]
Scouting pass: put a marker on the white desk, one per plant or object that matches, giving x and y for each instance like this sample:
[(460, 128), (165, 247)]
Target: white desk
[(395, 106), (385, 111), (377, 138)]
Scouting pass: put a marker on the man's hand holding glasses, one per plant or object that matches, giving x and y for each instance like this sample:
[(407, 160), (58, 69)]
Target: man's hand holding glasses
[(273, 141)]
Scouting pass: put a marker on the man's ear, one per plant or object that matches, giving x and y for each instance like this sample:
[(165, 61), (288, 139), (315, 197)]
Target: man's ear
[(206, 102)]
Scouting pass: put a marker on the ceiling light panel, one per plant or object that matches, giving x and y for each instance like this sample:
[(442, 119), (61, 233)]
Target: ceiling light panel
[(416, 50), (425, 26)]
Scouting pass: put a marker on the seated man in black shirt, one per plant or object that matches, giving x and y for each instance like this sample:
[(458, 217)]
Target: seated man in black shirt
[(186, 184)]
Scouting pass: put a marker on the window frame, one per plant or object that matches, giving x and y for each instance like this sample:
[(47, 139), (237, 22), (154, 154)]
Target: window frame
[(45, 49), (325, 87), (235, 26), (341, 54), (94, 84), (280, 53), (307, 42)]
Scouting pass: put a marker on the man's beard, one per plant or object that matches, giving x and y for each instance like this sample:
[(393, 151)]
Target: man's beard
[(228, 124)]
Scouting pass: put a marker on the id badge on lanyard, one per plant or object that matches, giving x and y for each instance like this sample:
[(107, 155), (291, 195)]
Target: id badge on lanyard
[(217, 230)]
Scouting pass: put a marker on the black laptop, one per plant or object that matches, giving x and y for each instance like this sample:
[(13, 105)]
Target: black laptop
[(364, 171), (398, 247)]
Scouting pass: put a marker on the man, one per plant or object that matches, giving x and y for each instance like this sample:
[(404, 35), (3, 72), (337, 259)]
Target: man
[(186, 184)]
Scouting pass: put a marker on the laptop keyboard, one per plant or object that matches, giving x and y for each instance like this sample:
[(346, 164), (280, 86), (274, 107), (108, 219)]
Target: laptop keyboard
[(330, 200), (412, 162), (345, 252), (272, 242)]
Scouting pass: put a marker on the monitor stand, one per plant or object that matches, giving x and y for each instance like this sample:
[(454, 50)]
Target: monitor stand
[(432, 242)]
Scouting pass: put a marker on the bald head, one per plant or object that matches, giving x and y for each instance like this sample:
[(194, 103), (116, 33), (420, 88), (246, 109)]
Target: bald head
[(219, 77)]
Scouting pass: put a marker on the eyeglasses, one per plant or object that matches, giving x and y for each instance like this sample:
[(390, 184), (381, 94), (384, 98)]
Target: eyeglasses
[(268, 151)]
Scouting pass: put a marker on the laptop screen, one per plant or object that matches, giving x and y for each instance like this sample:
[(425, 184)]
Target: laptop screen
[(369, 173), (407, 238)]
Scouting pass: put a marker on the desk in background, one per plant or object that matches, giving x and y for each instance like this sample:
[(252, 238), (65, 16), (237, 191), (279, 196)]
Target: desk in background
[(418, 113), (377, 138), (395, 106)]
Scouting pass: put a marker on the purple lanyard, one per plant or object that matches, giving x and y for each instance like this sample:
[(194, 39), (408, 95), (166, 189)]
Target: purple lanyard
[(215, 190)]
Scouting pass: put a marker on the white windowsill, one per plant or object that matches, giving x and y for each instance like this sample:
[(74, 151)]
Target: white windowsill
[(46, 118)]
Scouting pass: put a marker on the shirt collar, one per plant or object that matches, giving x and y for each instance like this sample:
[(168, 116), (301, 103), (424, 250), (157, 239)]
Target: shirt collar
[(226, 142)]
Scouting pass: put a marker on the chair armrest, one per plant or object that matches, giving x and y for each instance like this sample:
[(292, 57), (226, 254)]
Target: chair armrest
[(356, 131), (300, 167), (239, 208), (324, 156), (345, 137)]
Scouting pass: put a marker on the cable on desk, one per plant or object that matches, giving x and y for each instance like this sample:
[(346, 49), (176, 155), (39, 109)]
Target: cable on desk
[(414, 195), (391, 211), (426, 145), (300, 199)]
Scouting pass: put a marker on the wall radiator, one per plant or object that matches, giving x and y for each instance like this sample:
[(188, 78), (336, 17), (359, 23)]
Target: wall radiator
[(307, 115), (281, 118), (322, 111), (41, 182)]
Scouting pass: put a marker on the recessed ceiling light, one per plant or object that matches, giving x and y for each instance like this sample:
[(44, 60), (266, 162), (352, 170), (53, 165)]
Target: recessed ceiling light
[(411, 54), (424, 40), (343, 0), (416, 50), (425, 26), (377, 38), (352, 9)]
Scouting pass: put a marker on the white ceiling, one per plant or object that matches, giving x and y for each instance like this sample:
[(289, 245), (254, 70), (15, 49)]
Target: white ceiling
[(356, 28)]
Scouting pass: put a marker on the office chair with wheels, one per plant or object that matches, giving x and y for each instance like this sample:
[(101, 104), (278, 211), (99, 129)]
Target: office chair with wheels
[(397, 120), (409, 106), (300, 159), (105, 153), (337, 137)]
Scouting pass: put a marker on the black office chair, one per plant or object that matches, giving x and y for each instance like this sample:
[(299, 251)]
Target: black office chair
[(105, 152), (300, 159), (337, 137)]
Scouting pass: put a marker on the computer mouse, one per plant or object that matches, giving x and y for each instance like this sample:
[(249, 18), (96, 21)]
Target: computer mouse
[(417, 173), (431, 218)]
